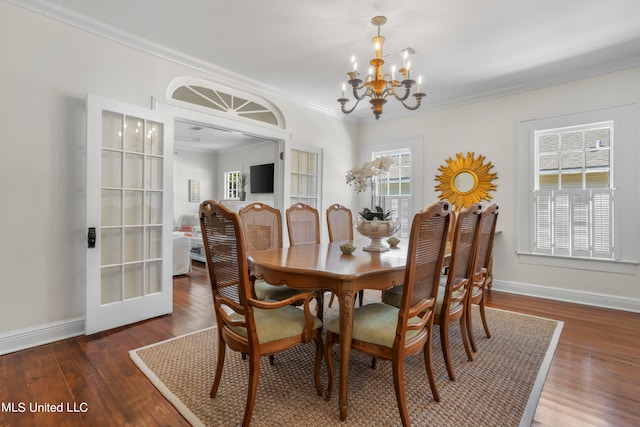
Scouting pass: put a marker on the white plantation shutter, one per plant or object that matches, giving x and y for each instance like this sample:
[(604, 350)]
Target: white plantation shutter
[(574, 223), (562, 221), (580, 200), (602, 223), (543, 221)]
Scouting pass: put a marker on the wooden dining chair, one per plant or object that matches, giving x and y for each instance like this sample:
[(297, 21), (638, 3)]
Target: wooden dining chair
[(340, 225), (452, 296), (482, 265), (452, 301), (262, 227), (393, 333), (303, 224), (245, 324), (303, 227)]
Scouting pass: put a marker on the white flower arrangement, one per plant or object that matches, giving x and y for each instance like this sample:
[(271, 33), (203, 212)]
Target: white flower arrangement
[(363, 178)]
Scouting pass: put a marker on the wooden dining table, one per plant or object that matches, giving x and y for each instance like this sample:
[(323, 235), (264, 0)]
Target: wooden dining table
[(323, 266)]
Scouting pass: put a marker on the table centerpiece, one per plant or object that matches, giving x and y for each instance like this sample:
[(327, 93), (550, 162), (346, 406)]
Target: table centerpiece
[(376, 223)]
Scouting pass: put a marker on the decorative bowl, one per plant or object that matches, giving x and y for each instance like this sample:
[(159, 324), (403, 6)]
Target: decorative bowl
[(376, 230)]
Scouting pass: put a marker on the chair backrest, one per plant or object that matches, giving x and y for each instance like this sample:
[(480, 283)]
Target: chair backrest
[(339, 223), (225, 249), (452, 228), (425, 256), (488, 220), (262, 227), (463, 250), (303, 224)]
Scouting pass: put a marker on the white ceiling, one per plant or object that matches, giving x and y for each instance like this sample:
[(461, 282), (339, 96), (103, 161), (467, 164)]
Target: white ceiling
[(466, 50), (200, 137)]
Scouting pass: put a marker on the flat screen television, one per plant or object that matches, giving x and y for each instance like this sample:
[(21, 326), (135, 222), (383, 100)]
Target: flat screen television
[(261, 178)]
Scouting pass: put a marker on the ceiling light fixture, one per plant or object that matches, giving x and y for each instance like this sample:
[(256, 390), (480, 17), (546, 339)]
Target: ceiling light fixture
[(377, 85)]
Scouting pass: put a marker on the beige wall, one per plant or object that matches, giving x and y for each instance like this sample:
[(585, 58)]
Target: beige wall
[(193, 165), (44, 80), (488, 128)]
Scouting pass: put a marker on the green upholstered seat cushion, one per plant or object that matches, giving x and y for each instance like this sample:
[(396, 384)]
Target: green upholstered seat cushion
[(440, 299), (279, 323), (393, 296), (266, 291), (375, 323)]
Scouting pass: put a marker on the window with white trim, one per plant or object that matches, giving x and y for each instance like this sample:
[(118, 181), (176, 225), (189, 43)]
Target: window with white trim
[(573, 196), (305, 179), (577, 190), (394, 187), (232, 185)]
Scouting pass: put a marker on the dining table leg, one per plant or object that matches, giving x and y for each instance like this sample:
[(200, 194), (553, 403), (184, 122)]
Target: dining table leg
[(346, 328)]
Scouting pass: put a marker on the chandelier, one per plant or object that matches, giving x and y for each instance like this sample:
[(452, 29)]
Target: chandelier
[(378, 85)]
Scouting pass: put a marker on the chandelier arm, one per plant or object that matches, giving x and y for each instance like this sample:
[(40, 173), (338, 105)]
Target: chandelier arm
[(359, 97), (345, 111), (419, 97), (407, 92)]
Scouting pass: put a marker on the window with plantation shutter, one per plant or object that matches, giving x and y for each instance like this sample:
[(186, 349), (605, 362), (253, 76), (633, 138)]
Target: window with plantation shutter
[(573, 200), (578, 190)]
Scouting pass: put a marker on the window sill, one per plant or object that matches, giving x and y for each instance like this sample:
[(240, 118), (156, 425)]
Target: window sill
[(605, 265)]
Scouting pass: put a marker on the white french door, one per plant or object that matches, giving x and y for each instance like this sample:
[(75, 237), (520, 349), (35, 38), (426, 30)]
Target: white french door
[(129, 215)]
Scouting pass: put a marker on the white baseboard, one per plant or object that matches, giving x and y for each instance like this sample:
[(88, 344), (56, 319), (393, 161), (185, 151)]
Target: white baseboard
[(577, 297), (41, 334)]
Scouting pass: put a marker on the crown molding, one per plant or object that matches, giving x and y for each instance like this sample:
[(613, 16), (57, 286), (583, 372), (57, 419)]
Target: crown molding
[(233, 79), (218, 74)]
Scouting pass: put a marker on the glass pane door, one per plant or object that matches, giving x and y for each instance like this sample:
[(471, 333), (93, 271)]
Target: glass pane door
[(129, 198)]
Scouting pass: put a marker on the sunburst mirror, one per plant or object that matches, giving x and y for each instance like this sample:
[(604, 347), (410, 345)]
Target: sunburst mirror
[(466, 180)]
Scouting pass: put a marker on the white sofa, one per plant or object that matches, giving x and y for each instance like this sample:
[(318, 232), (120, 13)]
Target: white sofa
[(181, 254)]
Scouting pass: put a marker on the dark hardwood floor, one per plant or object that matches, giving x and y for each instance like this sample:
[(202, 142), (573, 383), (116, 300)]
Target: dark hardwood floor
[(594, 379)]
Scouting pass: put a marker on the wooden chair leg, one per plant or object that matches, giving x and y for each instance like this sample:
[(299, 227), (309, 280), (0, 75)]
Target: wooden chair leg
[(333, 294), (444, 343), (428, 363), (272, 359), (483, 316), (398, 385), (329, 361), (318, 364), (361, 296), (465, 338), (472, 340), (221, 352), (254, 374)]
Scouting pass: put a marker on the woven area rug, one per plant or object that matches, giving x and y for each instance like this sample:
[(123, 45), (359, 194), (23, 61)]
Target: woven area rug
[(501, 387)]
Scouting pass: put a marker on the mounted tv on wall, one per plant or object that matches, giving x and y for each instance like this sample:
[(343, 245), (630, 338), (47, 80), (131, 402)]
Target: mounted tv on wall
[(261, 178)]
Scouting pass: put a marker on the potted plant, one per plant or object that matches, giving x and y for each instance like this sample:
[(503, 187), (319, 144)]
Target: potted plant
[(244, 180)]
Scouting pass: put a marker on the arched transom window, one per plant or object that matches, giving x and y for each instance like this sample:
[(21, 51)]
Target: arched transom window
[(221, 101)]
